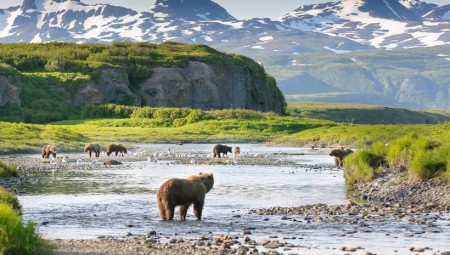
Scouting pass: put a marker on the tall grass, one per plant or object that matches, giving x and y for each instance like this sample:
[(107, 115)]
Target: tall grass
[(357, 168), (7, 170), (9, 198), (17, 238)]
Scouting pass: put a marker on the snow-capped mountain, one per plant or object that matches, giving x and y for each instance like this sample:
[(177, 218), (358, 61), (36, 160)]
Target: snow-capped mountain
[(342, 26), (379, 23)]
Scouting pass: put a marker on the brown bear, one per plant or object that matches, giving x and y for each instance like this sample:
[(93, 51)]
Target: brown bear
[(339, 155), (237, 150), (111, 162), (219, 148), (183, 193), (92, 147), (117, 148), (48, 150)]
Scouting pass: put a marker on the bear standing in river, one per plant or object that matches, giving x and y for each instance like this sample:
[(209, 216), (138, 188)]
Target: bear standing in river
[(92, 147), (219, 148), (184, 192), (48, 150), (117, 148), (339, 155)]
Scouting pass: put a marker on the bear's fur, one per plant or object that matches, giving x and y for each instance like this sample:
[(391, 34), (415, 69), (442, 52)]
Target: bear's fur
[(117, 148), (219, 148), (92, 147), (111, 162), (237, 150), (48, 150), (183, 193), (339, 155)]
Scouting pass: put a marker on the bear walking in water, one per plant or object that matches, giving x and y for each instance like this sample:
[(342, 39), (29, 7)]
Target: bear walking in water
[(117, 148), (219, 148), (92, 147), (48, 150), (339, 155), (184, 192)]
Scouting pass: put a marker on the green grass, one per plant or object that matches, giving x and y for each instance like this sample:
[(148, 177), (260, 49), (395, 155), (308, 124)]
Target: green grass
[(17, 238), (7, 170), (9, 198), (357, 167)]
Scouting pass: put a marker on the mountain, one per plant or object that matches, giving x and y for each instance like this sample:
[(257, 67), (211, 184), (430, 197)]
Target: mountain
[(386, 24), (343, 26)]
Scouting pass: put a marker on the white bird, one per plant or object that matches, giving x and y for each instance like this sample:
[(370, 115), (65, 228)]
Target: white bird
[(63, 160), (79, 161)]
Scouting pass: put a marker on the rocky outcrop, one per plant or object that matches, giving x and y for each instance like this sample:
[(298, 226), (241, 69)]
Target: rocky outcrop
[(210, 86), (111, 87), (10, 88)]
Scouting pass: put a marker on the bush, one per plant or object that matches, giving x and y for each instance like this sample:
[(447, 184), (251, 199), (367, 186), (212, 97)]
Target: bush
[(7, 170), (357, 167), (9, 198), (428, 164), (17, 238), (402, 151)]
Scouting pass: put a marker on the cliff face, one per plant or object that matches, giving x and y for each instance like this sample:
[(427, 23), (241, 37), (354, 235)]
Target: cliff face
[(210, 86), (10, 89), (111, 87), (197, 85)]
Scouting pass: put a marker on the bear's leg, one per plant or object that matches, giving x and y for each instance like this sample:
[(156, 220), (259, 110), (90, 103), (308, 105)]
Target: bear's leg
[(117, 153), (97, 154), (341, 162), (170, 212), (183, 211), (90, 153), (198, 208), (336, 161)]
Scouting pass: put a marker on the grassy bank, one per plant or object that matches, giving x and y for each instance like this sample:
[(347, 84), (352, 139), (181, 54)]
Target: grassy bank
[(307, 125)]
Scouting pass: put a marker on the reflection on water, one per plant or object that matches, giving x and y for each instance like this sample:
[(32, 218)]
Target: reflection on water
[(117, 200)]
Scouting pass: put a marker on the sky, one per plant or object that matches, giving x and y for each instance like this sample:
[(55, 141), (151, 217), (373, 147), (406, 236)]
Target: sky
[(251, 9)]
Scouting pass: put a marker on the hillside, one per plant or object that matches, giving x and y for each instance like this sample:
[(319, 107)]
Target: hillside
[(49, 82), (365, 114), (413, 78)]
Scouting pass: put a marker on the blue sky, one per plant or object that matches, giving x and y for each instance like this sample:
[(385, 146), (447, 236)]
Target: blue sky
[(251, 9)]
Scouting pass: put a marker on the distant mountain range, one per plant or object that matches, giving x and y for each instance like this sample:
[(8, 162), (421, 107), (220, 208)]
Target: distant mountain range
[(334, 27)]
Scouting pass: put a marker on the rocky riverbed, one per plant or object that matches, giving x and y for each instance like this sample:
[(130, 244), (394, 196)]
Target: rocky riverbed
[(387, 199)]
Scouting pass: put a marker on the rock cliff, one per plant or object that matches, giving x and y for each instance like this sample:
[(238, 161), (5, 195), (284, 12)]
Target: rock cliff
[(210, 86)]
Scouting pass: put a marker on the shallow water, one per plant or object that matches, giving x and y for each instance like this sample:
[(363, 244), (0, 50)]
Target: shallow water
[(118, 200)]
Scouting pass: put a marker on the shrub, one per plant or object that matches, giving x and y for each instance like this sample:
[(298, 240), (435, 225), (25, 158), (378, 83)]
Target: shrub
[(428, 164), (9, 198), (7, 170), (17, 238), (402, 151), (357, 167)]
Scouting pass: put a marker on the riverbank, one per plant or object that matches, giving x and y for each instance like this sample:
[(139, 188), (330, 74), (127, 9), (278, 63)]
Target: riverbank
[(357, 219)]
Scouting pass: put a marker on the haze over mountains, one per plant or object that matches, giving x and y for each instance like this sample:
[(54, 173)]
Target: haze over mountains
[(334, 27)]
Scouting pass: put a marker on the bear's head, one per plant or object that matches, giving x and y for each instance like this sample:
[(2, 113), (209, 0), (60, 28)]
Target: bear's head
[(206, 179), (122, 148), (52, 149), (228, 149), (88, 147)]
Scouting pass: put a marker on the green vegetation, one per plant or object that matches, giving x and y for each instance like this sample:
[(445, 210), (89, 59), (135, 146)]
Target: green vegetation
[(15, 238), (9, 198), (365, 114), (7, 170), (423, 157)]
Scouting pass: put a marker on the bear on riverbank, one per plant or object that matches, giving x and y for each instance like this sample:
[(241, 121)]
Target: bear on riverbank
[(92, 147), (339, 155), (183, 193), (219, 148), (237, 150), (48, 150), (117, 148)]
